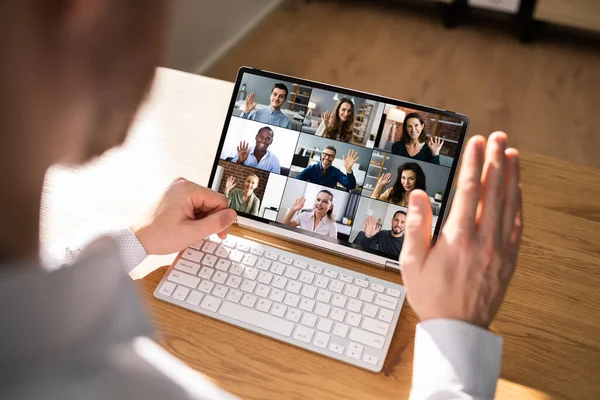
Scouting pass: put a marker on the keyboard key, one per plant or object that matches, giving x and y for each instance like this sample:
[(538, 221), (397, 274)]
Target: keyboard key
[(206, 286), (354, 350), (285, 260), (340, 330), (234, 296), (197, 245), (366, 338), (214, 238), (322, 309), (271, 256), (209, 247), (385, 315), (211, 303), (351, 291), (337, 314), (321, 282), (293, 315), (209, 260), (248, 300), (180, 293), (324, 324), (264, 277), (375, 326), (339, 300), (300, 264), (309, 320), (184, 279), (194, 298), (192, 255), (277, 268), (361, 282), (250, 260), (222, 264), (324, 296), (249, 273), (386, 301), (257, 251), (292, 300), (187, 266), (309, 291), (277, 295), (264, 264), (369, 359), (392, 292), (331, 274), (307, 305), (336, 348), (222, 252), (370, 310), (336, 286), (220, 291), (229, 242), (354, 305), (321, 340), (303, 334), (242, 246), (167, 288), (220, 277), (262, 290), (279, 282), (237, 269), (236, 256), (248, 286), (346, 278), (264, 305), (315, 269), (291, 273), (206, 273), (234, 281), (353, 319), (278, 310), (294, 287), (366, 295), (257, 318), (307, 277), (377, 287)]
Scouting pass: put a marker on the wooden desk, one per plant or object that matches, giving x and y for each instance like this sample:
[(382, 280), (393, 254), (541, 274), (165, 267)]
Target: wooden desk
[(550, 320)]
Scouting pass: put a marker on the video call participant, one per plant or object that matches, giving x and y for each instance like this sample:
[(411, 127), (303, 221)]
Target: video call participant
[(271, 115), (338, 126), (259, 156), (410, 177), (325, 174), (319, 220), (413, 140), (388, 241), (243, 200)]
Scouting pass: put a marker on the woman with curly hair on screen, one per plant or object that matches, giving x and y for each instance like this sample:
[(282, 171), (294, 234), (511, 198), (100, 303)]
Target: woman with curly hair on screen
[(414, 143), (338, 125), (410, 177)]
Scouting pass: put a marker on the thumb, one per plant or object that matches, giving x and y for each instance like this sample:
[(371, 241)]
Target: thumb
[(417, 232), (212, 223)]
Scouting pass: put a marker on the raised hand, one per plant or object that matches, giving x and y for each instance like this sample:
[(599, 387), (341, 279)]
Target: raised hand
[(250, 104), (243, 151), (384, 179), (475, 256), (371, 227), (326, 116), (350, 160), (435, 144), (230, 184), (299, 204)]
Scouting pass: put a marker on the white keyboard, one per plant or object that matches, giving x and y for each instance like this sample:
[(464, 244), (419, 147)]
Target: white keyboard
[(326, 309)]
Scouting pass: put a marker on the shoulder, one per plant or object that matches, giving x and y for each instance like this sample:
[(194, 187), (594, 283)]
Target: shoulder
[(398, 146)]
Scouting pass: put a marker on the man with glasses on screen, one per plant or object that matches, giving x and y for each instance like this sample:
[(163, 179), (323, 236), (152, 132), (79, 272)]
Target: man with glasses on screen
[(271, 115), (325, 174)]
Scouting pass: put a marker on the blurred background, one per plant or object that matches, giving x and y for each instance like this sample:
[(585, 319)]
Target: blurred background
[(528, 67)]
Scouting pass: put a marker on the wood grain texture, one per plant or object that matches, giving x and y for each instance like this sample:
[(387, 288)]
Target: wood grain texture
[(583, 14), (549, 319), (545, 95)]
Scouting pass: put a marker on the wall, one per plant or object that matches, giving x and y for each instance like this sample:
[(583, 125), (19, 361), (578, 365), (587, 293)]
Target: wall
[(273, 192), (262, 88)]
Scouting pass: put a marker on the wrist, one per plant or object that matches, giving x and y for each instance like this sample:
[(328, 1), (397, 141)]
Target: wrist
[(141, 232)]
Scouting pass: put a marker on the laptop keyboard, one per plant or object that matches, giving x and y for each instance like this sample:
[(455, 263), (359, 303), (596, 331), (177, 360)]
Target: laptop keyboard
[(317, 306)]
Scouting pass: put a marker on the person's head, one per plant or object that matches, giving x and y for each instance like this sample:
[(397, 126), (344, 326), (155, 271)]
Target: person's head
[(328, 156), (410, 177), (264, 138), (324, 203), (343, 118), (251, 182), (278, 95), (413, 128), (398, 223)]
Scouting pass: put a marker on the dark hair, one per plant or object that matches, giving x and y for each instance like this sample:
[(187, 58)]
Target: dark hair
[(398, 212), (266, 128), (282, 87), (398, 191), (405, 138), (340, 130), (330, 212), (329, 148)]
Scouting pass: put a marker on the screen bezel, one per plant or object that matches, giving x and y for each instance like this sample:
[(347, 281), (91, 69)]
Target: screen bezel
[(253, 220)]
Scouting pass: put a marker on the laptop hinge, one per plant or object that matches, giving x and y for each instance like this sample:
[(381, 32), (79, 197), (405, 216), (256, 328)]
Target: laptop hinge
[(392, 266)]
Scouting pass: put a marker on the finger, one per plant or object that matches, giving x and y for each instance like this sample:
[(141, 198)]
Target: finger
[(512, 194), (468, 188), (215, 222), (492, 187), (344, 157), (417, 232), (204, 199)]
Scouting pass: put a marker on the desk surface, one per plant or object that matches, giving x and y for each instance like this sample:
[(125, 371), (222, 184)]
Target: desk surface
[(550, 318)]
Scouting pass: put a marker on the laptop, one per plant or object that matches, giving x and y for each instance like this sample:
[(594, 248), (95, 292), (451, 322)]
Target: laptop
[(328, 168)]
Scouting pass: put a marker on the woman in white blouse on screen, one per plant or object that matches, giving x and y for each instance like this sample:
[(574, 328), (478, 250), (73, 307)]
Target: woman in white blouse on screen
[(319, 220)]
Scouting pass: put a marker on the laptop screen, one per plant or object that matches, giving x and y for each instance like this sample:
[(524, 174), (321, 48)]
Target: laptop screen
[(332, 163)]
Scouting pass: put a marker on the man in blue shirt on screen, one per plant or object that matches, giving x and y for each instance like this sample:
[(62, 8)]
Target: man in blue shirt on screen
[(259, 156), (324, 173), (271, 115)]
